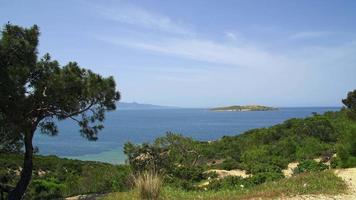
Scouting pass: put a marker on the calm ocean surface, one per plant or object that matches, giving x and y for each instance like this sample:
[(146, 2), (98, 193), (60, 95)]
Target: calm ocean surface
[(139, 126)]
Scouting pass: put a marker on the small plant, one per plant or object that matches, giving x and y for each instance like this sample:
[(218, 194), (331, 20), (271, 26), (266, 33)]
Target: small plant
[(230, 164), (310, 166), (188, 173), (148, 184)]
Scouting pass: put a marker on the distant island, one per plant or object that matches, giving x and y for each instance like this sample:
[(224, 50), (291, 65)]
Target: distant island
[(244, 108)]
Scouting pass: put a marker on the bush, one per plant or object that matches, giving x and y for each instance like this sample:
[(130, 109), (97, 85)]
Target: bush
[(45, 189), (310, 166), (260, 178), (318, 127), (146, 157), (310, 147), (230, 164), (175, 182), (194, 174), (238, 183), (230, 182), (259, 167), (61, 177), (346, 149)]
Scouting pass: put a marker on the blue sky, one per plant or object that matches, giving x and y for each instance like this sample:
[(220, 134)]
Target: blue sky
[(204, 53)]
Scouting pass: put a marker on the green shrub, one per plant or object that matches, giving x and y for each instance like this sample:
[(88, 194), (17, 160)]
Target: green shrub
[(238, 183), (229, 182), (310, 147), (318, 127), (175, 182), (45, 189), (310, 166), (259, 167), (188, 173), (346, 149), (64, 177), (260, 178), (230, 164)]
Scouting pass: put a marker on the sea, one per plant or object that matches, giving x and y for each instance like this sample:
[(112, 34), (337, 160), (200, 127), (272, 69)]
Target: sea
[(145, 125)]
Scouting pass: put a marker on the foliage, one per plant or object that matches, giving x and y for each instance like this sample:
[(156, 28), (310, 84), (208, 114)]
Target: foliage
[(182, 150), (312, 183), (230, 182), (59, 177), (40, 90), (146, 157), (193, 174), (346, 149), (9, 142), (239, 183), (350, 103), (230, 164), (36, 93), (46, 189), (310, 166)]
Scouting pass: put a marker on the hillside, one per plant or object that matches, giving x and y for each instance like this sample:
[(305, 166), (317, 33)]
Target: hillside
[(244, 108)]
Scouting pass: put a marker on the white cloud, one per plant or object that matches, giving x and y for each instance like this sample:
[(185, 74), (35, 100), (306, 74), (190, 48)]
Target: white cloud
[(234, 60), (207, 51), (137, 16)]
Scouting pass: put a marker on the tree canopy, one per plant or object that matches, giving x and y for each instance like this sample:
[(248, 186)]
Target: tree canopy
[(350, 103), (36, 93)]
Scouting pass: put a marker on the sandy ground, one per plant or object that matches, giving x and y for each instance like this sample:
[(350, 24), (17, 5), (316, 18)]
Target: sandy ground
[(224, 173), (289, 171)]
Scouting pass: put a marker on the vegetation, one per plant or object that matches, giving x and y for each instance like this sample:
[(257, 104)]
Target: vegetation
[(35, 93), (55, 177), (350, 103), (312, 183), (148, 185), (310, 166), (263, 153), (244, 108)]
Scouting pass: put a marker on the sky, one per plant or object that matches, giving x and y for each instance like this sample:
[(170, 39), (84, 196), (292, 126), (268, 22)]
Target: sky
[(204, 53)]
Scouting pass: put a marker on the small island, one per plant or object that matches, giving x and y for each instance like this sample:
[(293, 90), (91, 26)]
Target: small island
[(244, 108)]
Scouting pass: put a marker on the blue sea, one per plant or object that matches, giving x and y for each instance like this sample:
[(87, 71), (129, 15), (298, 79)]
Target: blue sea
[(145, 125)]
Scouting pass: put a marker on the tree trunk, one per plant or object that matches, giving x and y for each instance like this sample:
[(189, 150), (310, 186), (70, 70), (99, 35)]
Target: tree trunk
[(26, 173)]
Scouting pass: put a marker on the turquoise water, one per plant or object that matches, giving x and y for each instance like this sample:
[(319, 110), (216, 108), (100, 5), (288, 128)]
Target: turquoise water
[(139, 126)]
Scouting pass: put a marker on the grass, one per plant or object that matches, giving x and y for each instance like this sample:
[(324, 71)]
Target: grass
[(148, 185), (308, 183)]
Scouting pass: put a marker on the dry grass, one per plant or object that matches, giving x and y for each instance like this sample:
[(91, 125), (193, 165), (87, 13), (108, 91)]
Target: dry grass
[(148, 185)]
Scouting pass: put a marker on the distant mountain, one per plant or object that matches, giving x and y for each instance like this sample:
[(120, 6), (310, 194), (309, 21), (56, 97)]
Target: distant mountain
[(139, 106)]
